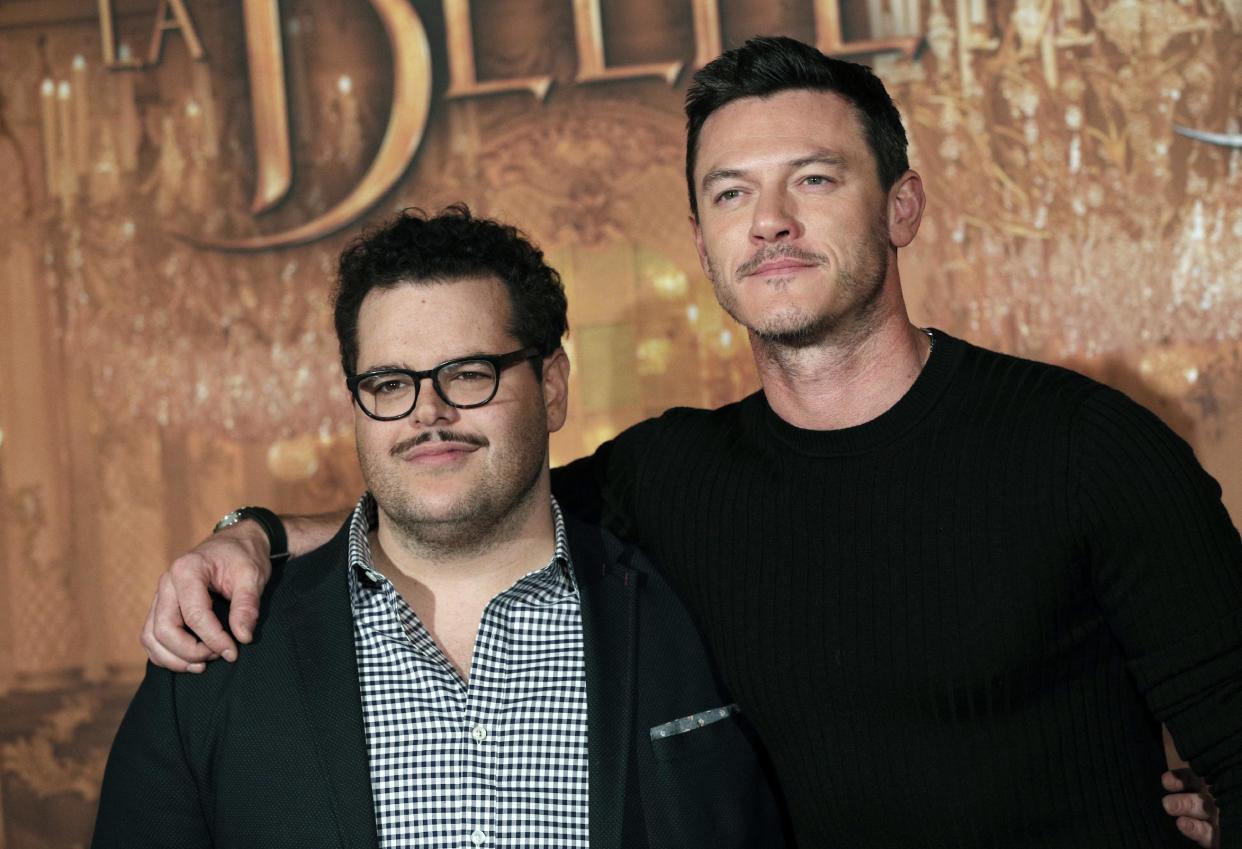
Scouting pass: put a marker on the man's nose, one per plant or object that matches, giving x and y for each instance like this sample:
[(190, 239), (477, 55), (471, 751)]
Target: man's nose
[(775, 218), (430, 409)]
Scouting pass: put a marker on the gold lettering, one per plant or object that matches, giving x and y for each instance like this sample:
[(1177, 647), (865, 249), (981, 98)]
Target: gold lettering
[(181, 20), (268, 104), (411, 102), (589, 38), (463, 79), (107, 34), (829, 40), (707, 44)]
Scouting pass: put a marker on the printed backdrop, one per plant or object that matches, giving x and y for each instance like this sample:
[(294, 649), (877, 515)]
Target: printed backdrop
[(177, 177)]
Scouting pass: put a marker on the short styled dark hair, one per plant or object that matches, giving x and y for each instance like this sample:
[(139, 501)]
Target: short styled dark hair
[(415, 248), (767, 65)]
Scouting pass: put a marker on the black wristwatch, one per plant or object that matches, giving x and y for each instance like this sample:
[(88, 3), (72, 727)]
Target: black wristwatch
[(277, 540)]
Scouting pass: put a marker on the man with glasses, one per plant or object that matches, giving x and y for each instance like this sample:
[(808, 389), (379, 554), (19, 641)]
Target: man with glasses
[(976, 580), (462, 664)]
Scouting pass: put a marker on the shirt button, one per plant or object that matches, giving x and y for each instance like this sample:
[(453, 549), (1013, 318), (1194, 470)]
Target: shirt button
[(477, 837), (479, 733)]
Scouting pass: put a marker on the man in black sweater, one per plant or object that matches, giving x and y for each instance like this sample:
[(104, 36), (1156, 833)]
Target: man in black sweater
[(977, 582)]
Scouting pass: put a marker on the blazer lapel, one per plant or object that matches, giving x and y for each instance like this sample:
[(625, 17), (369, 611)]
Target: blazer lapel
[(322, 635), (609, 593)]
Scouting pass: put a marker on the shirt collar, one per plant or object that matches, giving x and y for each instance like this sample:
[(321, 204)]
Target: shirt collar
[(555, 579)]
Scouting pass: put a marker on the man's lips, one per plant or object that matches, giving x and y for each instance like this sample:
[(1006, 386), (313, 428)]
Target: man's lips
[(776, 267), (437, 446), (436, 453)]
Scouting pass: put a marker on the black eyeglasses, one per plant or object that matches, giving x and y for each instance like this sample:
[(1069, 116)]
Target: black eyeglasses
[(390, 394)]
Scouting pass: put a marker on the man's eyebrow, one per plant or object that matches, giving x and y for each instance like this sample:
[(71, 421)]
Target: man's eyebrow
[(819, 157), (386, 367), (719, 174), (404, 366)]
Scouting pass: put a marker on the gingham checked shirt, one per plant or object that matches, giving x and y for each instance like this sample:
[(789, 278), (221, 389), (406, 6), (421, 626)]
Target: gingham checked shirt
[(498, 761)]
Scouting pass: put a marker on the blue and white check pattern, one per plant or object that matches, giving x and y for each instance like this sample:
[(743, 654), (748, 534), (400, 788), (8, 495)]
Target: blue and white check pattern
[(498, 761)]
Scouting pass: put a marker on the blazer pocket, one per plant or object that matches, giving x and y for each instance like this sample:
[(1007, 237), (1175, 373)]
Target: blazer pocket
[(693, 735)]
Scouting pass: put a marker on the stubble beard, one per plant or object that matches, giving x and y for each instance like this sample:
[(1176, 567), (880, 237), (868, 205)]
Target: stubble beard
[(489, 514), (859, 288)]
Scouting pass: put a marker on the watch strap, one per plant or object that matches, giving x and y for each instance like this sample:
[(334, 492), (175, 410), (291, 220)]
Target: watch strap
[(277, 539)]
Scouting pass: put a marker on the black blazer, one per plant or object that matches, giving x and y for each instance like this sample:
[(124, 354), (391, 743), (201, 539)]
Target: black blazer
[(270, 752)]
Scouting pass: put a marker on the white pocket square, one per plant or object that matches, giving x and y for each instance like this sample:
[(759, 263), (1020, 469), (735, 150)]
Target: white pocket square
[(690, 723)]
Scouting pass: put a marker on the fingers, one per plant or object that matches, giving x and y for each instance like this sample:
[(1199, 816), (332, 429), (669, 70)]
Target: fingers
[(182, 631), (188, 577), (1191, 802), (245, 577), (1189, 805), (187, 654), (1199, 831), (244, 611), (1187, 780), (242, 569), (1170, 782)]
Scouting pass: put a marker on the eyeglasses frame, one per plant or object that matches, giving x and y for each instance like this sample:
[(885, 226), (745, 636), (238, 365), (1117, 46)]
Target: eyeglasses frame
[(498, 361)]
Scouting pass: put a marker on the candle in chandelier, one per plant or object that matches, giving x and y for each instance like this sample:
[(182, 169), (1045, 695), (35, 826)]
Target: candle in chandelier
[(208, 136), (978, 13), (50, 134), (64, 119), (875, 17), (899, 11), (128, 132), (1071, 15), (81, 117), (1048, 54), (911, 22)]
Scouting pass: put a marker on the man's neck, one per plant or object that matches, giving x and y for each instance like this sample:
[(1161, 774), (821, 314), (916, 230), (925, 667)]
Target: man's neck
[(843, 381), (449, 590), (500, 551)]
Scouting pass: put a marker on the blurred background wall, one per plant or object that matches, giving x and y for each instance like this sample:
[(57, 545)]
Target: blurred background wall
[(176, 179)]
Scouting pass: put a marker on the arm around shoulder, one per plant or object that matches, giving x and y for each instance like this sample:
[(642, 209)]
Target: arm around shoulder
[(1167, 564), (181, 631), (601, 488)]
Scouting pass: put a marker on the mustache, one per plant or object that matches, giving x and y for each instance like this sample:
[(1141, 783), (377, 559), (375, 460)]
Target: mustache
[(439, 436), (779, 252)]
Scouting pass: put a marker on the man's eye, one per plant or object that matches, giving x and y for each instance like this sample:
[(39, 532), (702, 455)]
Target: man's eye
[(729, 194), (469, 376), (816, 180), (388, 387), (391, 384)]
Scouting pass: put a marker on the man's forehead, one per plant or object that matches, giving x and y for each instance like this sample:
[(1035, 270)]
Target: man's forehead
[(440, 320), (795, 125), (472, 298)]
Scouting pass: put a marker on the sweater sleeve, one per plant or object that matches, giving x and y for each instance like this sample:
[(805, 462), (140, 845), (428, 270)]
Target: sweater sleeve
[(149, 797), (601, 488), (1167, 566)]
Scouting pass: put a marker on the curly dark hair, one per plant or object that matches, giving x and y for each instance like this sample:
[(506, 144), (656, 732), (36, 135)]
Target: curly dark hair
[(414, 247), (767, 65)]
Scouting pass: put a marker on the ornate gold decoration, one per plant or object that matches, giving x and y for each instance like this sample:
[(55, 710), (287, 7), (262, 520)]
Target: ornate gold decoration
[(269, 106), (411, 103), (36, 758)]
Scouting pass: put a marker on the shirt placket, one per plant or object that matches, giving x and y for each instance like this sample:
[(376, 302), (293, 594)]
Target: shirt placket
[(481, 728)]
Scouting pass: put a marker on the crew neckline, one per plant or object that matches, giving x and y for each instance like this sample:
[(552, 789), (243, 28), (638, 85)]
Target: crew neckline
[(946, 353)]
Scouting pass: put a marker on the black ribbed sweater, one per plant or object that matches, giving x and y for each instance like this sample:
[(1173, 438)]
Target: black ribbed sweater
[(956, 625)]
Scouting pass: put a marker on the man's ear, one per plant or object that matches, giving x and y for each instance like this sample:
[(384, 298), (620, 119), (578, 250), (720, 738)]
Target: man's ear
[(556, 388), (906, 203)]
